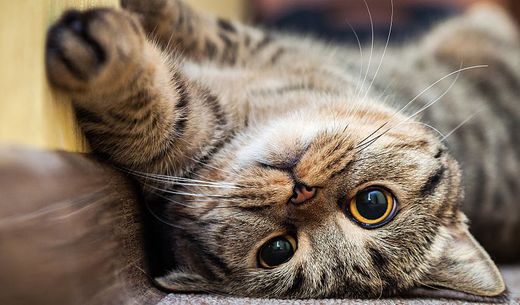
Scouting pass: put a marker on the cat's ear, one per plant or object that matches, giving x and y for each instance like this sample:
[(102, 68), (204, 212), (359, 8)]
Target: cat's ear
[(466, 267), (183, 282)]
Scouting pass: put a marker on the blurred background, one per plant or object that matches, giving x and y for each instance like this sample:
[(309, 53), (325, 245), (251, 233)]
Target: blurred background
[(333, 19)]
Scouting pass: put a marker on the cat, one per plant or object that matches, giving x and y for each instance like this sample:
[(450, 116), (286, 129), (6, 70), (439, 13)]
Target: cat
[(292, 168)]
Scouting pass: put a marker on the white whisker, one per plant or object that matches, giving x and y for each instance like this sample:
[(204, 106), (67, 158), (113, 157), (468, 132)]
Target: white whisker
[(371, 45), (461, 124), (458, 71), (428, 105), (161, 219), (431, 127), (360, 55), (384, 51), (233, 174), (182, 180)]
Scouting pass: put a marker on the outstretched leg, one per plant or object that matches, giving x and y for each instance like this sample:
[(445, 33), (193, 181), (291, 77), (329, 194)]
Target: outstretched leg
[(135, 106), (199, 36)]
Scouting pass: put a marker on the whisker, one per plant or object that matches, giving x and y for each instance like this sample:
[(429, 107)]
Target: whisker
[(429, 286), (161, 219), (362, 142), (390, 83), (180, 180), (371, 45), (431, 127), (233, 174), (195, 184), (360, 55), (194, 201), (384, 50), (174, 201), (189, 194), (428, 105), (461, 124), (230, 199)]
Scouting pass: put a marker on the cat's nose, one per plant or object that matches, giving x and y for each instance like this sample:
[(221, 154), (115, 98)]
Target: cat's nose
[(302, 193)]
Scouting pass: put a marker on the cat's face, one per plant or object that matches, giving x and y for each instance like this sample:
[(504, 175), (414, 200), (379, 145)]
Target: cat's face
[(380, 212)]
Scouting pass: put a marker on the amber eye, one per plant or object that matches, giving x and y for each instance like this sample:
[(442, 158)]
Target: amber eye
[(276, 251), (373, 207)]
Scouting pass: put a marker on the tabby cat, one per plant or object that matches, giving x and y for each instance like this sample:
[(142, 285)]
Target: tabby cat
[(291, 168)]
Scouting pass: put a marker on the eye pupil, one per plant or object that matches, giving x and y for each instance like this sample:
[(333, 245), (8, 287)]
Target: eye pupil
[(371, 204), (276, 252), (372, 207)]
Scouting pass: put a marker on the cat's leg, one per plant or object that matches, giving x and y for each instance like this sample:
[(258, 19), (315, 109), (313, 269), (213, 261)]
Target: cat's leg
[(200, 36), (133, 103)]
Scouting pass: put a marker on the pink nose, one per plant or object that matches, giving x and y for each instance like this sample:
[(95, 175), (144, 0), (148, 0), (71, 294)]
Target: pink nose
[(302, 193)]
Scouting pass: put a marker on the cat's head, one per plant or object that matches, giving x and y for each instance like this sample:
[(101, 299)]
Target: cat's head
[(334, 201)]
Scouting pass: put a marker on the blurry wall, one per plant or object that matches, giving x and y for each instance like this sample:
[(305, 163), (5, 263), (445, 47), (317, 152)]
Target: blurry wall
[(232, 9), (350, 20), (30, 115)]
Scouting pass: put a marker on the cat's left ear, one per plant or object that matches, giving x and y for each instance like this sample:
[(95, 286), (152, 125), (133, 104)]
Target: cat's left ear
[(466, 267)]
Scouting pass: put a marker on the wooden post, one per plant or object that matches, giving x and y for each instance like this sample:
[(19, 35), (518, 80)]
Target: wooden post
[(30, 114)]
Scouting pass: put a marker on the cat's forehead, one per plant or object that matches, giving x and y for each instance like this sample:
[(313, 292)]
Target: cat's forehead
[(361, 128)]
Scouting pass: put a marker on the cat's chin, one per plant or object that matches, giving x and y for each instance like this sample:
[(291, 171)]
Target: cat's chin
[(440, 292)]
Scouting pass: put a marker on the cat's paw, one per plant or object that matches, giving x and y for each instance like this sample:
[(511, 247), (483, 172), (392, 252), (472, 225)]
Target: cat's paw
[(156, 16), (93, 49)]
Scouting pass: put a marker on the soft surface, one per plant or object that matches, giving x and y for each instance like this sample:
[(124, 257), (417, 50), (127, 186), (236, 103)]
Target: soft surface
[(511, 274)]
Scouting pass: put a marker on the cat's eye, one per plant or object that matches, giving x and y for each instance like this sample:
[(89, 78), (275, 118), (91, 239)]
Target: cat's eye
[(373, 207), (276, 251)]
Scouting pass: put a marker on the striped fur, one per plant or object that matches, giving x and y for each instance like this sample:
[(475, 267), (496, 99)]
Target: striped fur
[(219, 121)]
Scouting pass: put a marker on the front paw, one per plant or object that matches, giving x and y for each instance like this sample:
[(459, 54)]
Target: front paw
[(92, 49)]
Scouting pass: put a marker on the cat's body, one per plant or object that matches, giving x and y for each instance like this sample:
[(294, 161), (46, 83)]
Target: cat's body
[(274, 136)]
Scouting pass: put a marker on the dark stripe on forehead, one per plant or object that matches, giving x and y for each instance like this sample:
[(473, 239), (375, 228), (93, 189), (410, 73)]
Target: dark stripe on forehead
[(439, 152), (433, 182), (451, 200)]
